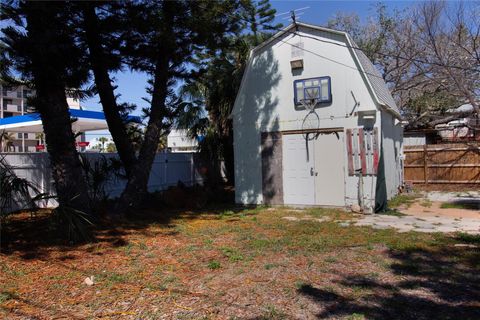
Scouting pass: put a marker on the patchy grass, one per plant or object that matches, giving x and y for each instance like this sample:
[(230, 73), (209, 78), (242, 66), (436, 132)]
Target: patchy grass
[(469, 238), (470, 205), (214, 264), (426, 203), (402, 200), (393, 212), (241, 263)]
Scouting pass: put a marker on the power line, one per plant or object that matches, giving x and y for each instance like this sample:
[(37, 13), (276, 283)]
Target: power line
[(381, 53), (356, 47)]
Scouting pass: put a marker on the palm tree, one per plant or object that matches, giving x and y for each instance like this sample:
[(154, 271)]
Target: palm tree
[(162, 143), (14, 190), (103, 140), (6, 141), (40, 137)]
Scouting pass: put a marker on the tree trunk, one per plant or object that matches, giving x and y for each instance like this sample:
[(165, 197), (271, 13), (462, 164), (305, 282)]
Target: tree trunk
[(136, 188), (51, 103), (98, 61)]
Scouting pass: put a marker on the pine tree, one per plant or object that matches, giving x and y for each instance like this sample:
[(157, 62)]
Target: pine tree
[(162, 39), (39, 46)]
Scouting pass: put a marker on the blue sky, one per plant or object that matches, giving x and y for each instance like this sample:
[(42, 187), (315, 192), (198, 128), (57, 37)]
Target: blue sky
[(131, 86)]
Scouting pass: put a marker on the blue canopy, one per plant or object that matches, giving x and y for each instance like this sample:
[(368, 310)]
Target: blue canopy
[(85, 120)]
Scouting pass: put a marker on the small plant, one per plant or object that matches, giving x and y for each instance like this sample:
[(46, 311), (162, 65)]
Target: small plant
[(300, 284), (426, 203), (15, 192), (214, 265), (75, 224), (269, 266), (5, 296), (99, 173), (271, 312), (232, 254)]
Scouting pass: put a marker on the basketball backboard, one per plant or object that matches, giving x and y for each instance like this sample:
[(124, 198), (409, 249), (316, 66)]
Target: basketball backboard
[(312, 91)]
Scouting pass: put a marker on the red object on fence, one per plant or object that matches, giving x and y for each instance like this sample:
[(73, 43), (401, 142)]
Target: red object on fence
[(83, 144), (363, 157), (40, 147), (351, 170)]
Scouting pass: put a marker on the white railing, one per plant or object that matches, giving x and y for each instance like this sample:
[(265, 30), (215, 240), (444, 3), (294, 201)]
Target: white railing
[(11, 94), (12, 108)]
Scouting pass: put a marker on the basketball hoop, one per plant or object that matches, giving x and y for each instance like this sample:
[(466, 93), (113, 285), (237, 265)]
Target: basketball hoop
[(311, 121), (310, 93)]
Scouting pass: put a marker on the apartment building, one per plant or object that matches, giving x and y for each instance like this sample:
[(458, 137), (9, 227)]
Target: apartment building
[(14, 102)]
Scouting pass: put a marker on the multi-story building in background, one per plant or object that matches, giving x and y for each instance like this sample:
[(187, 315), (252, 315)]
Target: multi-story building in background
[(14, 102)]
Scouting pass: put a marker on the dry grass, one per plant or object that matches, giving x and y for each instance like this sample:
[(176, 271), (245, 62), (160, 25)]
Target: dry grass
[(239, 263)]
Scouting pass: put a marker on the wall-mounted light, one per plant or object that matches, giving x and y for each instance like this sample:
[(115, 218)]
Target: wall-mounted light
[(296, 64)]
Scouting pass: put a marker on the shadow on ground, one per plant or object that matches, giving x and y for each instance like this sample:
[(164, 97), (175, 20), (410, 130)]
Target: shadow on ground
[(442, 284), (470, 204), (34, 237)]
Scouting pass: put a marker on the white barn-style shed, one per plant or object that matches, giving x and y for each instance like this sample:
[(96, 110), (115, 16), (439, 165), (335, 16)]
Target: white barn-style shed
[(285, 153)]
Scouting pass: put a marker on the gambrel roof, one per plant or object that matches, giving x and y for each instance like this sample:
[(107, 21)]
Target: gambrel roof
[(369, 72)]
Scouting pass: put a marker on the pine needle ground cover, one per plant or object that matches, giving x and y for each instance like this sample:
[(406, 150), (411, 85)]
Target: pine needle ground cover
[(232, 263)]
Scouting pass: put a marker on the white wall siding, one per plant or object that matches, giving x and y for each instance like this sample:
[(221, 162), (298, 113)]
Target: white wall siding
[(392, 151)]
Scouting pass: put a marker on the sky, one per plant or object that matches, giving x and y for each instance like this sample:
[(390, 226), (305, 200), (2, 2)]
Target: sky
[(131, 86)]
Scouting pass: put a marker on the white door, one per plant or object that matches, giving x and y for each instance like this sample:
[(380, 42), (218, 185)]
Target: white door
[(298, 177), (329, 170)]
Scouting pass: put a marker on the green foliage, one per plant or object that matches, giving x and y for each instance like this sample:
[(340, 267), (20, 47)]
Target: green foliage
[(209, 97), (6, 295), (74, 224), (469, 238), (214, 264), (232, 254), (99, 173), (15, 191), (472, 205), (270, 312)]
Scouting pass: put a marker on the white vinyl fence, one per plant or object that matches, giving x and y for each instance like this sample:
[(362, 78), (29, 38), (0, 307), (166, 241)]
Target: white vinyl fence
[(168, 170)]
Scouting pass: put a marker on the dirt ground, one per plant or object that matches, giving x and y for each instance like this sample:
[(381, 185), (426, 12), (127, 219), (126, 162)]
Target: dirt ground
[(235, 263), (434, 208)]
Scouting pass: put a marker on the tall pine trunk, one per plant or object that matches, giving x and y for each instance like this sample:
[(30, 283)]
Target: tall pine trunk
[(137, 185), (98, 61), (51, 103)]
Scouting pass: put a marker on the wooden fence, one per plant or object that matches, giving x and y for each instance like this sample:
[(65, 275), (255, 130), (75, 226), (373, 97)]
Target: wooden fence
[(442, 164)]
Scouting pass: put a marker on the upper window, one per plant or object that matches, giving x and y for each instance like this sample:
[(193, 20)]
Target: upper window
[(313, 88)]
